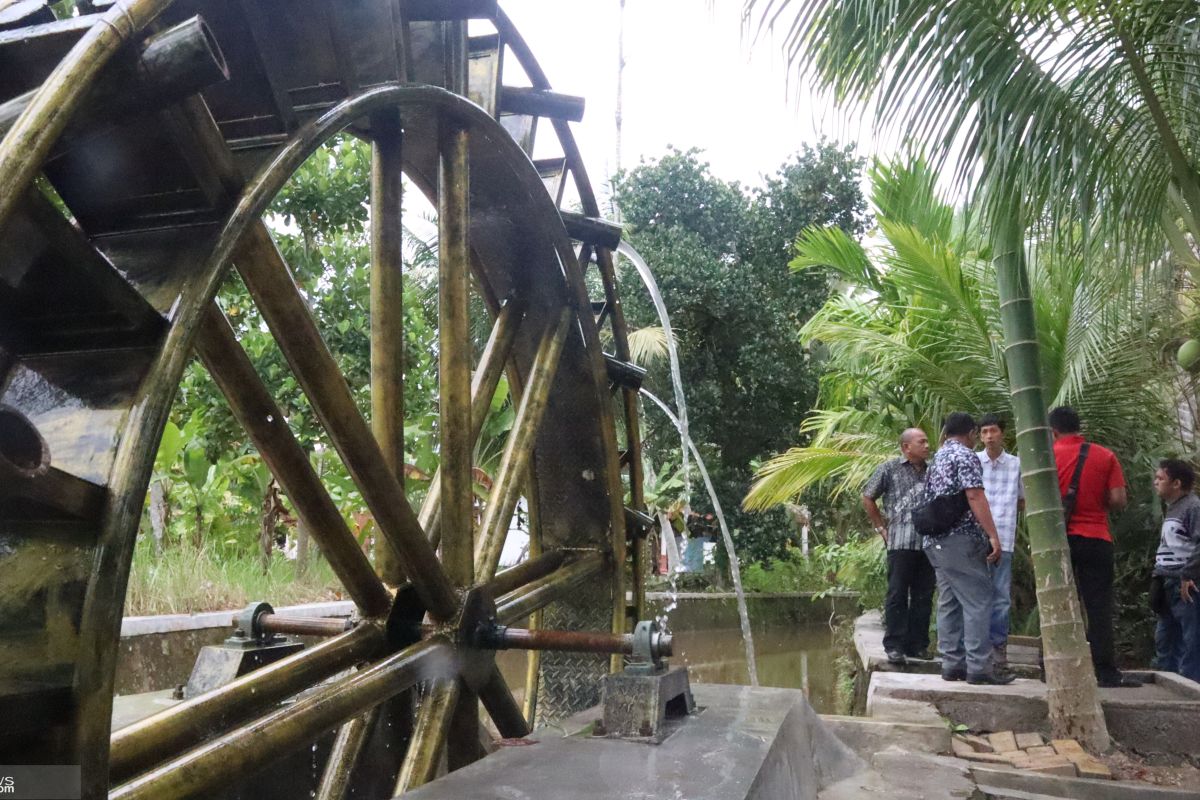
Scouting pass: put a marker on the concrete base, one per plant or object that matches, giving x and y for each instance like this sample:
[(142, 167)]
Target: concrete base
[(1158, 718), (867, 736), (898, 774), (760, 743), (1016, 785)]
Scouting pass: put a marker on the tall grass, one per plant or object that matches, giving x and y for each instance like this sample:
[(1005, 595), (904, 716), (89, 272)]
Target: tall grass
[(186, 580)]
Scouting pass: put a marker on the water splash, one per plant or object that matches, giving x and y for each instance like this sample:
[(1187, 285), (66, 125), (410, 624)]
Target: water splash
[(734, 567), (643, 271)]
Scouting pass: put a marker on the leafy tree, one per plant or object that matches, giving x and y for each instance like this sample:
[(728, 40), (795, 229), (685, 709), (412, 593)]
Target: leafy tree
[(718, 251), (915, 333)]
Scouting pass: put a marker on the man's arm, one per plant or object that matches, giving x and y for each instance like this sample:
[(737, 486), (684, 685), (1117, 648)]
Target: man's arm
[(873, 514), (1117, 499), (983, 513), (1191, 570)]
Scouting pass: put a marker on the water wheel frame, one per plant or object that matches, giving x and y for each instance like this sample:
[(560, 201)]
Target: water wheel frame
[(83, 403)]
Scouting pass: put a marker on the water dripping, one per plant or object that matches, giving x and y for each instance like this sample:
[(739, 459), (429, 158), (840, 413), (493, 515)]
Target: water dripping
[(734, 567)]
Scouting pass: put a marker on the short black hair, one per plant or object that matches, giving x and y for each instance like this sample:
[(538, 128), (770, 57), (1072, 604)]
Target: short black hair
[(992, 419), (1179, 471), (958, 423), (1065, 419)]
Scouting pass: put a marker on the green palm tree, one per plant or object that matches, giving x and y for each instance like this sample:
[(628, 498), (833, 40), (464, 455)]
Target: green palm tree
[(916, 332)]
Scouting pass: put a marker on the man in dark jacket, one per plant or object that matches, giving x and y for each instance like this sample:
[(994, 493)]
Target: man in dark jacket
[(1177, 637)]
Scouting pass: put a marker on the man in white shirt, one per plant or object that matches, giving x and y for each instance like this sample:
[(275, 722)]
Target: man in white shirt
[(1006, 496)]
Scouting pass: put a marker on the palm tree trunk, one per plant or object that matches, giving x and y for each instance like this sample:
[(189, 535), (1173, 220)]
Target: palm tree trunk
[(1072, 695)]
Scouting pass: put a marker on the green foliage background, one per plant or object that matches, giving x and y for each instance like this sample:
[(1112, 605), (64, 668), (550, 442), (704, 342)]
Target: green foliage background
[(719, 251)]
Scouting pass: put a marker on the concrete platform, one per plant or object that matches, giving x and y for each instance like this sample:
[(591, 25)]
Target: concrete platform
[(760, 743), (1023, 659), (1159, 718)]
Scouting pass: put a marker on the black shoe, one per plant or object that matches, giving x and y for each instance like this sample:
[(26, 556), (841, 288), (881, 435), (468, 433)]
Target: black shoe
[(1118, 681), (920, 655), (1000, 679), (896, 657), (955, 675)]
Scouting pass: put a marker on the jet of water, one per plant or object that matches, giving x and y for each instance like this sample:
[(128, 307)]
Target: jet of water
[(643, 271), (734, 568)]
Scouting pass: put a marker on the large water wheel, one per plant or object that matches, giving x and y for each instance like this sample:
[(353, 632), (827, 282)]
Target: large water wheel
[(142, 141)]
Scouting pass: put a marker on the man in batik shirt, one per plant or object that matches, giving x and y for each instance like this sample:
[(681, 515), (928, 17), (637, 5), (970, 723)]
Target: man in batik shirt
[(961, 557)]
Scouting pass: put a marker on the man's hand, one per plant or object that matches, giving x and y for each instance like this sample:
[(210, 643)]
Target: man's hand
[(1186, 588), (994, 556)]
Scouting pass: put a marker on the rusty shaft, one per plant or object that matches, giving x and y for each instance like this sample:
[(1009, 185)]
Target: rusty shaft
[(303, 626), (500, 637)]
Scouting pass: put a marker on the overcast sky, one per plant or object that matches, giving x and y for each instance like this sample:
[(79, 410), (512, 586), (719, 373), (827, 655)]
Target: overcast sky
[(692, 79)]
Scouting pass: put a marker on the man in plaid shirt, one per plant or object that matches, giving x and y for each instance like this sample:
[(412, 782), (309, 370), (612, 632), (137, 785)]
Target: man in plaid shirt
[(1006, 498), (909, 603)]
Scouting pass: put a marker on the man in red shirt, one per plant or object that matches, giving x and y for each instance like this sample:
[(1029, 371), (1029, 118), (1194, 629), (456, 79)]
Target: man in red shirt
[(1101, 489)]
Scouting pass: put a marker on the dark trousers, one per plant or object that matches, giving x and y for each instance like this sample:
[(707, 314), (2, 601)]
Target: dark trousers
[(1092, 562), (909, 602)]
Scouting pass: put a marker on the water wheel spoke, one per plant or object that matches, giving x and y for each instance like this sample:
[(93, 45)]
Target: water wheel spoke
[(454, 351), (387, 306), (343, 757), (519, 604), (502, 707), (429, 735), (483, 387), (254, 407), (205, 769), (149, 741), (270, 282), (506, 488)]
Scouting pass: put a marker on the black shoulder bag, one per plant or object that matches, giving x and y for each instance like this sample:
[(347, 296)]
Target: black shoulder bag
[(936, 516), (1073, 490)]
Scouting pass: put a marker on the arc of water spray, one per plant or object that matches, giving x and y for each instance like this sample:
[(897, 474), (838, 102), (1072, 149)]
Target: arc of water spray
[(643, 271), (734, 567)]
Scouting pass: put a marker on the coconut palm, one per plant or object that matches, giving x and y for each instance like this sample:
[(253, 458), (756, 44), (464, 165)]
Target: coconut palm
[(1076, 116)]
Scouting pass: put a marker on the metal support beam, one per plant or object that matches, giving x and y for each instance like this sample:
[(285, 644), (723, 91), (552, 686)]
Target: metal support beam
[(592, 230), (339, 769), (541, 103), (493, 528), (207, 768), (147, 742), (255, 408), (483, 388), (387, 307), (454, 354), (502, 707), (526, 572), (449, 10), (270, 282), (517, 605), (429, 736)]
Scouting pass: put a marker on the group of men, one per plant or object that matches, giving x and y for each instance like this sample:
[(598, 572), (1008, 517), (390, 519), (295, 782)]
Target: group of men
[(970, 563)]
